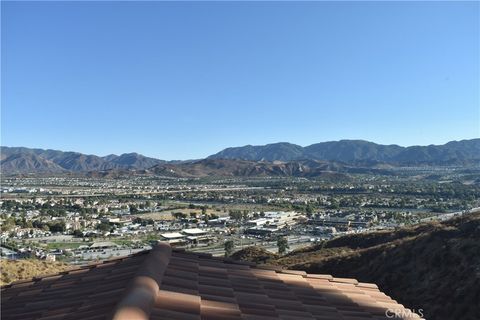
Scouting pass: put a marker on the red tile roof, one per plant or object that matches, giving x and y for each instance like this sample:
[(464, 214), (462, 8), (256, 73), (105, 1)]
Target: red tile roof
[(161, 284)]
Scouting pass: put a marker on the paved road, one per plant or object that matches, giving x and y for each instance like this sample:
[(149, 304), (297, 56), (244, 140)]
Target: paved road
[(450, 215)]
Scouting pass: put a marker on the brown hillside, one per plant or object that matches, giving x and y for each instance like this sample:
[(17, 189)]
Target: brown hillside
[(254, 254), (434, 267), (13, 270)]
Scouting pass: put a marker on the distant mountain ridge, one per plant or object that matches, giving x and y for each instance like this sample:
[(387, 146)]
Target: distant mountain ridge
[(26, 160), (246, 168), (277, 159), (353, 151)]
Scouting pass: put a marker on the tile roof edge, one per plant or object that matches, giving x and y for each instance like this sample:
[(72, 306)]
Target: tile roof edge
[(345, 280), (139, 298)]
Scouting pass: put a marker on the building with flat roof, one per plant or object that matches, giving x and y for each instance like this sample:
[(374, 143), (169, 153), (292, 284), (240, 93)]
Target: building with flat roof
[(173, 238), (194, 232)]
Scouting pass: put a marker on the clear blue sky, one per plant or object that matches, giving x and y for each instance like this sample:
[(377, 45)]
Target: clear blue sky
[(185, 80)]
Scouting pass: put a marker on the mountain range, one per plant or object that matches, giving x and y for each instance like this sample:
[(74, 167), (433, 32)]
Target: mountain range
[(26, 160), (278, 159), (354, 151), (246, 168)]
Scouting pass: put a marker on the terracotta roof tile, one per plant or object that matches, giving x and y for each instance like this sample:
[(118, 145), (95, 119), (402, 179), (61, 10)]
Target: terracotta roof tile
[(176, 284), (296, 272)]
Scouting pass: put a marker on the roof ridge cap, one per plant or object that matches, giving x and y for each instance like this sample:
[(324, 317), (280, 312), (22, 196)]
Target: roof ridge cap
[(139, 298)]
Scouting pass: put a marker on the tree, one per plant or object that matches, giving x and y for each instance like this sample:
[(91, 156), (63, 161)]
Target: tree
[(104, 227), (77, 233), (282, 244), (9, 224), (229, 245), (235, 214), (179, 215), (334, 204), (57, 226), (309, 210), (133, 209)]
